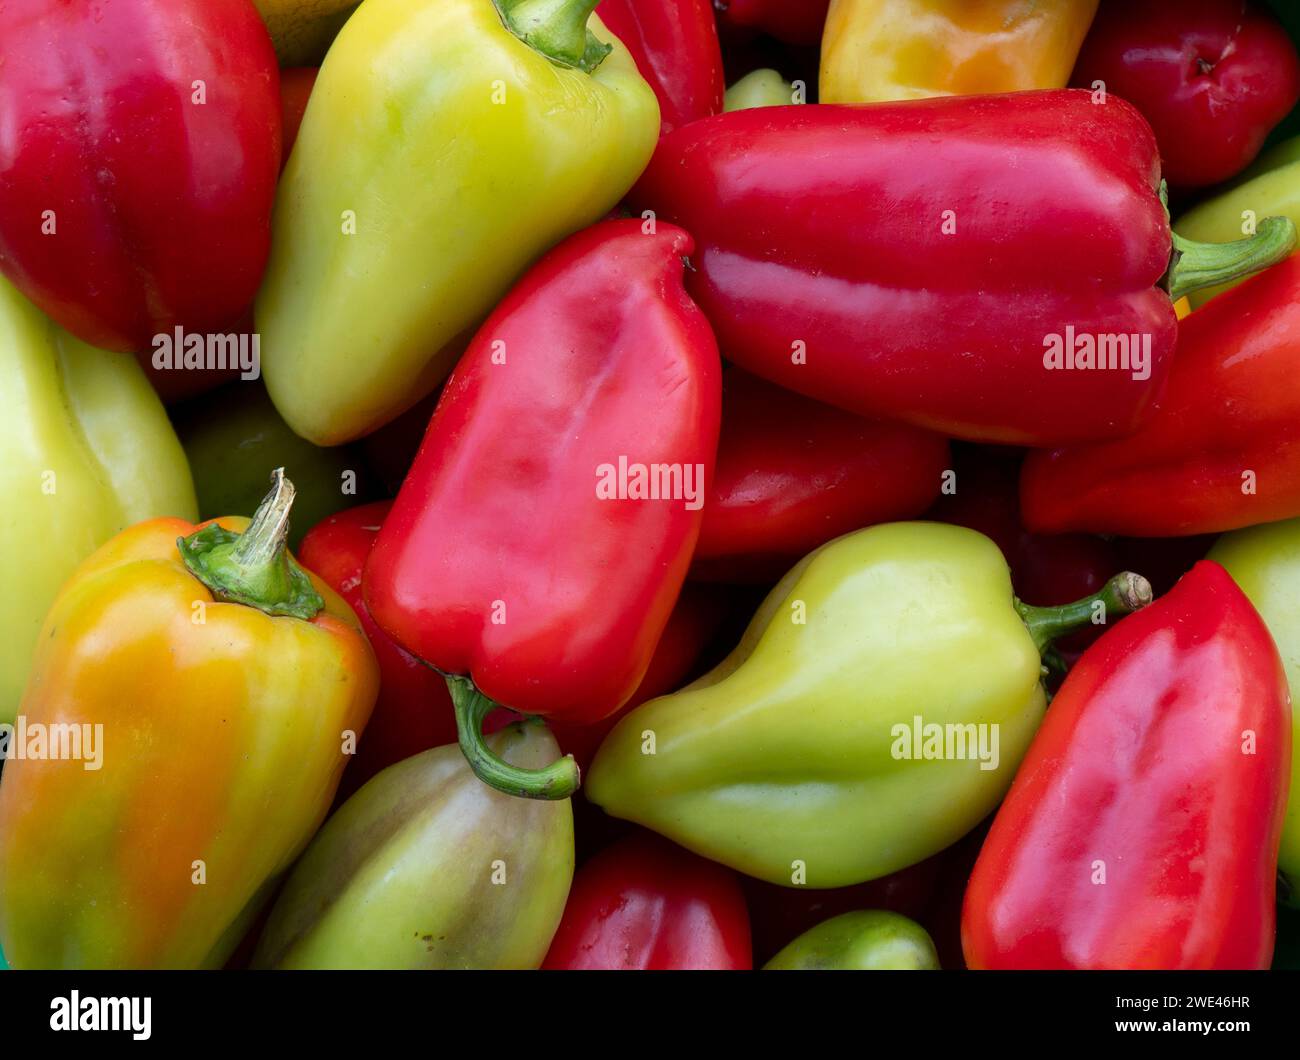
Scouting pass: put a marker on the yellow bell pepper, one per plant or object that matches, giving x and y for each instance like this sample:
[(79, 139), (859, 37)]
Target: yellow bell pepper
[(876, 50), (85, 450), (447, 145), (200, 694)]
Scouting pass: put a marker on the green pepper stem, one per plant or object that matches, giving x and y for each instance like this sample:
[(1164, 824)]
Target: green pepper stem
[(1122, 595), (557, 29), (559, 780), (254, 568), (1195, 265)]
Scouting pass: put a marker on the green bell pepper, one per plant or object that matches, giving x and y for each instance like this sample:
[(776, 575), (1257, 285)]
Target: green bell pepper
[(871, 939), (874, 712), (1269, 188), (1265, 562), (428, 867), (85, 451), (234, 438)]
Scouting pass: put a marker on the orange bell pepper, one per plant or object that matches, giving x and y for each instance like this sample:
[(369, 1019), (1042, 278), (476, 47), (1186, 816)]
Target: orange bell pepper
[(207, 687)]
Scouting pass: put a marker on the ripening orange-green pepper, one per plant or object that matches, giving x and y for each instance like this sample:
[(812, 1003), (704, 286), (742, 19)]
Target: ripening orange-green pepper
[(190, 709), (875, 50)]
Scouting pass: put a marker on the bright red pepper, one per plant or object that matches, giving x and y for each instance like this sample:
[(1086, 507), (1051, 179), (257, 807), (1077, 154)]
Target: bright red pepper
[(793, 21), (647, 904), (1211, 76), (793, 473), (676, 50), (1015, 224), (1222, 451), (139, 150), (413, 712), (527, 549), (296, 84), (1142, 829)]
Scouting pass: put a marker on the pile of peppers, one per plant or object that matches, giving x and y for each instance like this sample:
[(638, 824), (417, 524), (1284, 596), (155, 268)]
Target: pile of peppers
[(787, 484)]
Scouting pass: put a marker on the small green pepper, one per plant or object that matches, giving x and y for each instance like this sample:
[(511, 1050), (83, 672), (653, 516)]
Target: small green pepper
[(868, 940), (760, 88)]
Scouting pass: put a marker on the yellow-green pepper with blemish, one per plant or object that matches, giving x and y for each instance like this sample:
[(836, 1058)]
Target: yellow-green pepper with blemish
[(428, 867), (447, 145), (873, 713), (85, 450)]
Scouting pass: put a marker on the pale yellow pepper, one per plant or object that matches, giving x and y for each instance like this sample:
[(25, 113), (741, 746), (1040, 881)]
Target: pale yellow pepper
[(875, 50)]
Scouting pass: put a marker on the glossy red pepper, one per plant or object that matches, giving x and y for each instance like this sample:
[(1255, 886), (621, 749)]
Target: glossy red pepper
[(1211, 76), (1222, 451), (542, 536), (139, 149), (793, 21), (1142, 829), (413, 712), (646, 904), (677, 51), (296, 84), (1017, 226), (794, 473)]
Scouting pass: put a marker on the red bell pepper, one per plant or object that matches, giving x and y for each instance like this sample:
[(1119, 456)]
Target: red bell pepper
[(139, 150), (1142, 829), (542, 536), (677, 51), (793, 473), (413, 712), (296, 84), (1211, 76), (1222, 451), (1014, 230), (793, 21), (647, 904)]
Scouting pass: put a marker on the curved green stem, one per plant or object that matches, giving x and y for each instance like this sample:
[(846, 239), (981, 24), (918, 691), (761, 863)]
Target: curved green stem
[(1194, 265), (559, 780), (254, 568), (557, 29), (1123, 594)]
